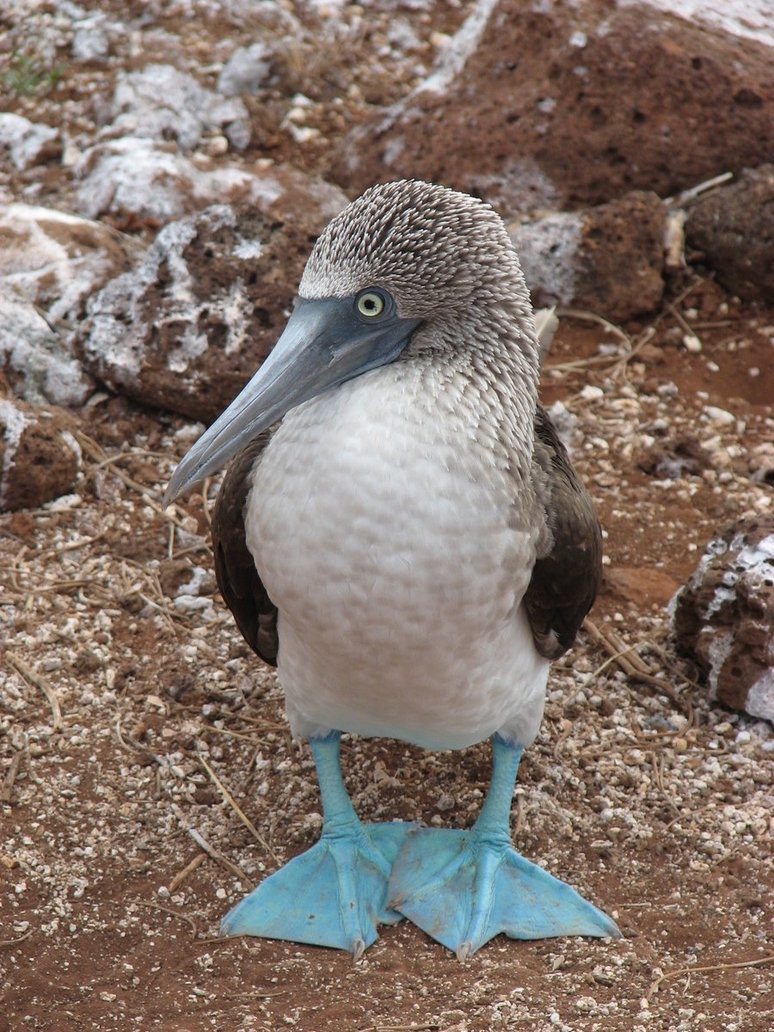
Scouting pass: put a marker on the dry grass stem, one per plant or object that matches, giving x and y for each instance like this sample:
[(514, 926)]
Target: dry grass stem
[(133, 745), (687, 196), (69, 546), (684, 325), (585, 316), (15, 942), (39, 681), (189, 868), (236, 808), (231, 734), (206, 501), (212, 853), (634, 666), (707, 968), (10, 778), (149, 495), (432, 1026), (153, 905)]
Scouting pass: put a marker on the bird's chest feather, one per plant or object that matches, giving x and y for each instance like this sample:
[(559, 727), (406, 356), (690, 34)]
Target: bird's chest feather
[(389, 540)]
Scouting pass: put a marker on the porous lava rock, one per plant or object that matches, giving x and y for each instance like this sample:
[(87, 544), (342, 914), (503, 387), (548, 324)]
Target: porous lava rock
[(733, 228), (561, 105), (724, 616), (608, 259), (51, 262), (189, 325), (39, 455)]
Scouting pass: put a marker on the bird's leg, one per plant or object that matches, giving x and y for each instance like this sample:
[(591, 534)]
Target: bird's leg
[(464, 887), (335, 894)]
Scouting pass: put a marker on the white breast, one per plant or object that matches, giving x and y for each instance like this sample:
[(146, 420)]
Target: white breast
[(389, 541)]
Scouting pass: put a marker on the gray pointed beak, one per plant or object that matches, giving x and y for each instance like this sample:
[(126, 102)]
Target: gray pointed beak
[(325, 343)]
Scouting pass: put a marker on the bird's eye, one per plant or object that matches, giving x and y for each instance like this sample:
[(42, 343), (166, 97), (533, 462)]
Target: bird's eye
[(370, 304)]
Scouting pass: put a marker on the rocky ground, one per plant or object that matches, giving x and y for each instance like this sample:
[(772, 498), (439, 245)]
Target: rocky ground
[(148, 776)]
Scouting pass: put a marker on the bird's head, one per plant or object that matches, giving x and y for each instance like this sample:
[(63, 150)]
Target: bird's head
[(403, 267)]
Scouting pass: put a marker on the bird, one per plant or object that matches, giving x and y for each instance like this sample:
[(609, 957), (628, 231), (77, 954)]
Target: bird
[(402, 533)]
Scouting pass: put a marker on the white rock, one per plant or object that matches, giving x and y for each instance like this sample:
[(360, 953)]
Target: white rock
[(146, 179), (50, 263), (24, 140), (547, 251), (142, 178), (749, 19), (246, 71), (47, 369), (718, 415), (93, 36), (161, 103), (55, 259)]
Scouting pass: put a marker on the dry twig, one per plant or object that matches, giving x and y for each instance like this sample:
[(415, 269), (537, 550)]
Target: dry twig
[(32, 677), (189, 868), (236, 808), (654, 986), (634, 666), (205, 846), (213, 854)]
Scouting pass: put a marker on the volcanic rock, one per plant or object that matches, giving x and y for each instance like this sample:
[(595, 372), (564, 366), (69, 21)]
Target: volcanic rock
[(27, 143), (608, 259), (733, 227), (51, 262), (560, 105), (724, 616), (39, 456), (190, 324)]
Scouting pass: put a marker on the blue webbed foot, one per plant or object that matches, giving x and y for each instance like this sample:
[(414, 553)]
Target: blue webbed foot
[(465, 887), (335, 894)]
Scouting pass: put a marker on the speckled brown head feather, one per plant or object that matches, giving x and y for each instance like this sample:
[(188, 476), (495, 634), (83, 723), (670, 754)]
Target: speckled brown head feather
[(443, 255)]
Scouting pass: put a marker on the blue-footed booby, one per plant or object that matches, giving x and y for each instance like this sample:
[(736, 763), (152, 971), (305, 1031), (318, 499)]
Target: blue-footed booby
[(403, 535)]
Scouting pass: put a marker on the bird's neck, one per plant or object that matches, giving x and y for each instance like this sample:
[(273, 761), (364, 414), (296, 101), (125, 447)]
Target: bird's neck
[(487, 392)]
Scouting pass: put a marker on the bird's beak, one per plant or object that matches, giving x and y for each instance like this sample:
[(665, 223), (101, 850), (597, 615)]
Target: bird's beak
[(324, 343)]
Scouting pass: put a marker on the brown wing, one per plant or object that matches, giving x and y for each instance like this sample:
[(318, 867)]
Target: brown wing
[(238, 580), (564, 582)]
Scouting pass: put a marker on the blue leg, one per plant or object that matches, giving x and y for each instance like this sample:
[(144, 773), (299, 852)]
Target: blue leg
[(464, 887), (335, 894)]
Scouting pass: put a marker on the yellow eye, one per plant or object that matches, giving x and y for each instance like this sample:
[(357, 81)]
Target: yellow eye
[(370, 304)]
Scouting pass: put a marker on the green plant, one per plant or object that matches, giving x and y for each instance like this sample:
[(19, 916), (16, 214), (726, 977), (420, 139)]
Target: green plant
[(30, 76)]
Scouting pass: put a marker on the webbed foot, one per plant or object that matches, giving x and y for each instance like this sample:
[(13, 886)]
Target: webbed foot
[(463, 888), (334, 894)]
